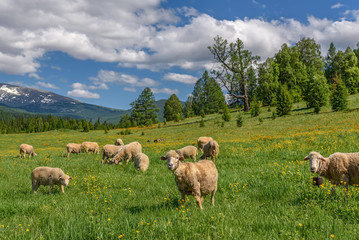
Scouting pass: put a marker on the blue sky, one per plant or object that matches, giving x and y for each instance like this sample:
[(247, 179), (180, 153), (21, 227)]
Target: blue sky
[(107, 52)]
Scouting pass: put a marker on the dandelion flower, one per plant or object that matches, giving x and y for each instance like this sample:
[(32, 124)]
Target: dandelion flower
[(332, 235), (27, 230), (108, 219), (300, 224), (121, 236)]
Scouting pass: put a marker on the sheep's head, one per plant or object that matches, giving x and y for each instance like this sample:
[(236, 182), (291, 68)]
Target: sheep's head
[(65, 179), (173, 160), (315, 160)]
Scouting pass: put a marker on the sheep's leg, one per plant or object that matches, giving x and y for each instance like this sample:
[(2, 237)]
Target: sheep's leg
[(35, 186), (51, 187), (212, 196), (128, 158), (197, 195), (62, 189)]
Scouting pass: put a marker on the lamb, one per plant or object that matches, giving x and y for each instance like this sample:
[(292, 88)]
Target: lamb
[(73, 148), (49, 176), (188, 152), (119, 142), (129, 151), (337, 168), (26, 149), (201, 141), (141, 162), (211, 149), (109, 151), (197, 179), (90, 147)]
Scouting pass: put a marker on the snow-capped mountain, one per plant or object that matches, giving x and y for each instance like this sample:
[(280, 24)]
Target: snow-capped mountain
[(44, 102)]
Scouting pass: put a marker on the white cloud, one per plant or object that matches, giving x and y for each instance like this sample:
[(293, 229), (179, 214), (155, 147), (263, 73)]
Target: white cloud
[(56, 68), (165, 90), (127, 89), (338, 5), (82, 94), (47, 85), (183, 78), (35, 75)]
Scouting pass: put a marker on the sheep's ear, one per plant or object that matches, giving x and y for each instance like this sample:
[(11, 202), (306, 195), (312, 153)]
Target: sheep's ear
[(306, 158), (163, 158), (181, 159), (70, 177), (323, 159)]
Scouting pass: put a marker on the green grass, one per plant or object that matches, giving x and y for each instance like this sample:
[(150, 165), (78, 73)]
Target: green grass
[(264, 188)]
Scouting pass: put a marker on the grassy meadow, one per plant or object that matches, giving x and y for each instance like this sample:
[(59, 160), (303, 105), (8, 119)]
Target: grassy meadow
[(265, 188)]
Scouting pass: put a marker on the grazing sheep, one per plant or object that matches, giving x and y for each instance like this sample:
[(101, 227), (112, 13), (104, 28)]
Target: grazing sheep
[(49, 176), (129, 151), (211, 149), (119, 142), (338, 167), (109, 151), (201, 141), (26, 149), (197, 179), (141, 162), (188, 152), (73, 148), (90, 147)]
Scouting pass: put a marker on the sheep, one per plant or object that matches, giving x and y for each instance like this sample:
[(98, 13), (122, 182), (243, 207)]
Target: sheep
[(73, 148), (188, 152), (26, 149), (49, 176), (201, 141), (193, 178), (127, 152), (119, 142), (211, 149), (109, 151), (141, 162), (338, 168), (90, 147)]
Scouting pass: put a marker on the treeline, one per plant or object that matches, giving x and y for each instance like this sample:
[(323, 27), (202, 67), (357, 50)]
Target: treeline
[(40, 123)]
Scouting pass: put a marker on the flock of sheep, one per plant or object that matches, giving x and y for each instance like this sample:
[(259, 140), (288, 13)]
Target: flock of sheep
[(192, 178)]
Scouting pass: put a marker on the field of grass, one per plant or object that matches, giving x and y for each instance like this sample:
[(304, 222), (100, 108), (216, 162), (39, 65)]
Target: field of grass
[(265, 188)]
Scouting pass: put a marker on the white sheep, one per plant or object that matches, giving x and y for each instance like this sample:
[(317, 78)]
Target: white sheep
[(73, 148), (188, 152), (119, 142), (127, 152), (109, 151), (338, 168), (90, 147), (211, 149), (201, 141), (49, 176), (193, 178), (141, 162), (26, 149)]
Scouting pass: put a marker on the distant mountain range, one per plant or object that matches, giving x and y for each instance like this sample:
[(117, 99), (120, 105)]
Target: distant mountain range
[(35, 101)]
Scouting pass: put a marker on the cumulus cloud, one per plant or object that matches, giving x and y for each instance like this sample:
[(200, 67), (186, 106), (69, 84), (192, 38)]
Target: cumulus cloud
[(183, 78), (35, 75), (47, 85), (142, 34), (338, 5), (81, 93), (165, 91)]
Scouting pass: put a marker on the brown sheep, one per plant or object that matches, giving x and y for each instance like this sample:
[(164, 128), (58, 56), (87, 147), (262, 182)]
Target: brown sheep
[(201, 141), (109, 151), (193, 178), (73, 148), (129, 151), (90, 147), (188, 152), (141, 162), (49, 176), (26, 149), (338, 168), (211, 149)]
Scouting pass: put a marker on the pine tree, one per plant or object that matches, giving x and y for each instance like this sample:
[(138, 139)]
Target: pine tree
[(338, 97), (239, 120), (283, 101), (188, 109), (255, 107), (144, 110), (226, 115), (329, 63), (317, 93), (173, 109)]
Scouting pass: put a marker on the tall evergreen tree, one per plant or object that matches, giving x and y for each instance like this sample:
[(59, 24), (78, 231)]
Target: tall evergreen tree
[(350, 71), (173, 109), (338, 97), (318, 92), (188, 108), (144, 110), (329, 63), (268, 84), (310, 55), (283, 101)]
